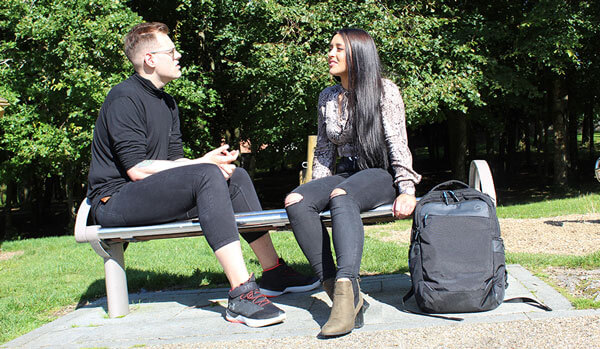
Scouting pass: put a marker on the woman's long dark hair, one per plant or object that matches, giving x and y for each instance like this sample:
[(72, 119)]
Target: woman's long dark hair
[(365, 89)]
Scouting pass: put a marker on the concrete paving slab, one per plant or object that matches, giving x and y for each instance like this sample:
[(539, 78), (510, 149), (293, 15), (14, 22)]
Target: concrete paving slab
[(197, 316)]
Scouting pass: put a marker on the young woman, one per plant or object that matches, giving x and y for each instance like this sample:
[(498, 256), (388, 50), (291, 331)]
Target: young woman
[(362, 126)]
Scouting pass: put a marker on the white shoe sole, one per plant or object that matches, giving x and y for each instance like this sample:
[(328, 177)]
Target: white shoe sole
[(292, 289), (253, 322)]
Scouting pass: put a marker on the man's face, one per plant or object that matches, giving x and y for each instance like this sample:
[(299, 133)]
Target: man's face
[(166, 58)]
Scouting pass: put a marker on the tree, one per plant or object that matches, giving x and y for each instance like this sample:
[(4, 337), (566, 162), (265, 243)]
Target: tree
[(58, 61), (550, 35)]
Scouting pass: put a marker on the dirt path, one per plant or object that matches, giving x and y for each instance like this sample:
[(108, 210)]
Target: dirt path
[(577, 234)]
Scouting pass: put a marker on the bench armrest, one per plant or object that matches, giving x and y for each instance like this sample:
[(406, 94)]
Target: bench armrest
[(84, 232)]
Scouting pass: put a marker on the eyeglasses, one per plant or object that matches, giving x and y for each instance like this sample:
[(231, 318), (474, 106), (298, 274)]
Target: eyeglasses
[(170, 52)]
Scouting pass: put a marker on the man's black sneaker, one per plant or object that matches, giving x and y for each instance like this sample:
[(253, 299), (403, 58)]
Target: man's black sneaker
[(248, 306), (282, 279)]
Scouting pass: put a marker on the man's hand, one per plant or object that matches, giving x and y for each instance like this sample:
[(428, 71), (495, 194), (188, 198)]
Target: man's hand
[(227, 170), (222, 158), (404, 205)]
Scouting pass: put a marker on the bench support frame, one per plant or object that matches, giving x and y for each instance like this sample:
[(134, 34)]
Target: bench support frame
[(117, 295)]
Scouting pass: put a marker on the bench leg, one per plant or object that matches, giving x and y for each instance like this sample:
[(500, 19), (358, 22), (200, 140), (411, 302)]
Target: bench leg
[(117, 296)]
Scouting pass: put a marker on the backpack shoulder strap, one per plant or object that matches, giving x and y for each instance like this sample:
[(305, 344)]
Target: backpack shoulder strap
[(527, 300), (530, 301)]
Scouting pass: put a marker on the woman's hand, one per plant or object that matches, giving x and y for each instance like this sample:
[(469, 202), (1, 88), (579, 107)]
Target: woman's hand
[(404, 205)]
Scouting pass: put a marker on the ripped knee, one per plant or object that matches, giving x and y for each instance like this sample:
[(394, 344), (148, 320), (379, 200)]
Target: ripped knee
[(293, 198), (337, 192)]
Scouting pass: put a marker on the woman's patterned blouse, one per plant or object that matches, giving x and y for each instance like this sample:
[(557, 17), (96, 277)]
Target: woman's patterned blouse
[(335, 135)]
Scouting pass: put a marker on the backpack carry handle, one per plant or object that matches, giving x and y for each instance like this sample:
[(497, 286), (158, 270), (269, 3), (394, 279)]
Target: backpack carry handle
[(451, 183)]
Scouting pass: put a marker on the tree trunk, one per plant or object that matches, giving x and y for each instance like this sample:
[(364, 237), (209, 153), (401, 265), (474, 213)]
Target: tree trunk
[(591, 133), (71, 193), (457, 132), (573, 123), (489, 144), (502, 152), (540, 141), (511, 143), (472, 139), (585, 127), (589, 130), (11, 199), (548, 150), (560, 162), (444, 138), (528, 128), (433, 144)]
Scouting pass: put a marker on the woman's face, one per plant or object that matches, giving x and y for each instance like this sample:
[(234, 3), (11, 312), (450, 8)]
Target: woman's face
[(337, 57)]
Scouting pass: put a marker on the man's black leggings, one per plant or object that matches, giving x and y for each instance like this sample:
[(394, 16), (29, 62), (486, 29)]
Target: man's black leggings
[(182, 193), (365, 190)]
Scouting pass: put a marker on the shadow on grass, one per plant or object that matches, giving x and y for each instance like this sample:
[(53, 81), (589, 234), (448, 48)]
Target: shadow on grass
[(144, 281), (560, 223)]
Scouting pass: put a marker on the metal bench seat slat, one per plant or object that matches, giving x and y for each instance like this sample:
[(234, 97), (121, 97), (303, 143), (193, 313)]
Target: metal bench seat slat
[(267, 220)]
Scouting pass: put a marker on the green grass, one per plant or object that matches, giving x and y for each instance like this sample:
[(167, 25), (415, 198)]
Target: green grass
[(536, 263), (587, 203), (596, 139), (56, 273)]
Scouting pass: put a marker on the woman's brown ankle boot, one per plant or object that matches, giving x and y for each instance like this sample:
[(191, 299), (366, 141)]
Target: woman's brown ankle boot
[(328, 285), (346, 313)]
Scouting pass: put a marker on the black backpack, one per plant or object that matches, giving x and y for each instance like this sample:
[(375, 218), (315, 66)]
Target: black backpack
[(456, 257)]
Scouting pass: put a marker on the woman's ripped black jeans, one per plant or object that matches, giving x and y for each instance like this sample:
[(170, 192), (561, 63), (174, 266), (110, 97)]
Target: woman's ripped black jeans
[(364, 190)]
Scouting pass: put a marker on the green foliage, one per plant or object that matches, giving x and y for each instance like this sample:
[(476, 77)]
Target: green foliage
[(197, 104), (550, 34), (268, 62), (59, 58)]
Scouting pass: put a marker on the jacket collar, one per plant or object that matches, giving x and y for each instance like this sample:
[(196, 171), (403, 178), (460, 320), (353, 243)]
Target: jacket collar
[(148, 86)]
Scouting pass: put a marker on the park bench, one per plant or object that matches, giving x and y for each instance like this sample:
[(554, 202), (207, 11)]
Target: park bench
[(108, 242)]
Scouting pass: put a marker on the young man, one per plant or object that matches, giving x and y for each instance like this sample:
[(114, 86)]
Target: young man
[(138, 176)]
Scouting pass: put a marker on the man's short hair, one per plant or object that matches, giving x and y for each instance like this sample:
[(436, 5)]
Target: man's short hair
[(141, 35)]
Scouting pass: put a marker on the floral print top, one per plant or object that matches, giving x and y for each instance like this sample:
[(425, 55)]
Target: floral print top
[(334, 136)]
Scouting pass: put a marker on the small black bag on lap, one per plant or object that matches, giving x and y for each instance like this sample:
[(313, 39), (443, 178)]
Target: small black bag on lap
[(456, 256)]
